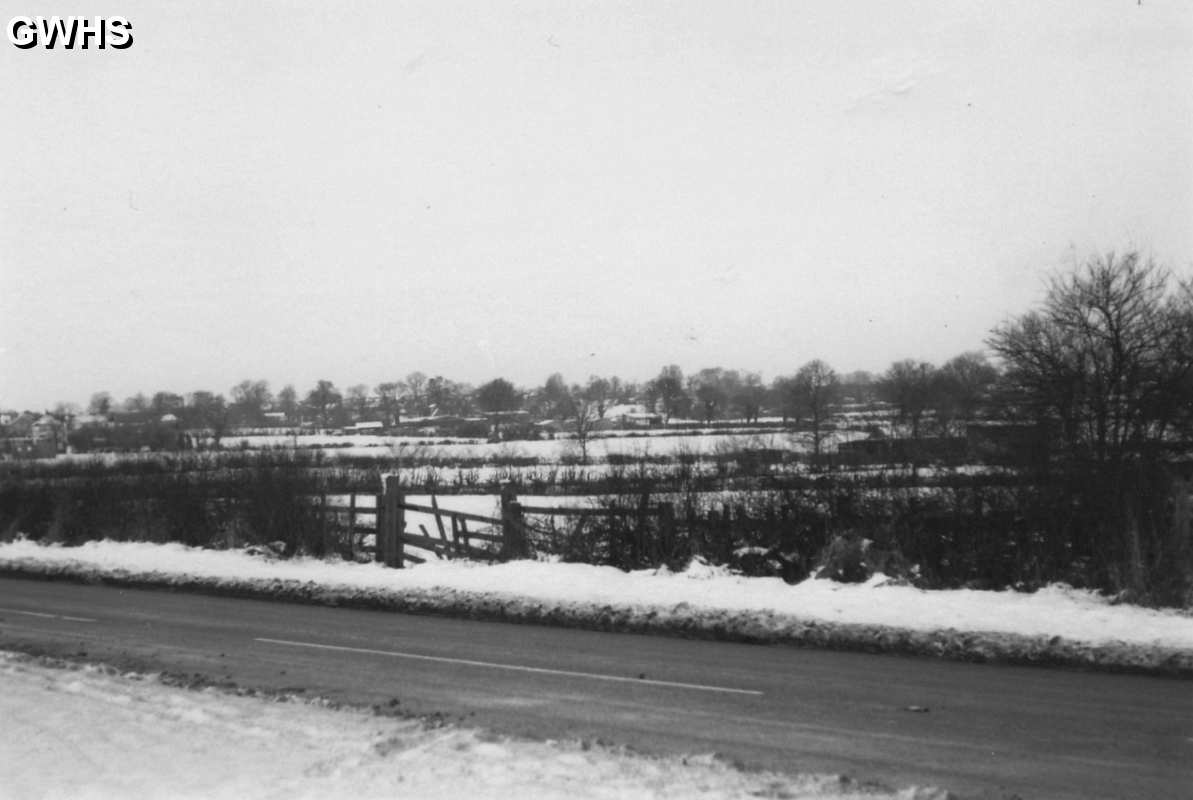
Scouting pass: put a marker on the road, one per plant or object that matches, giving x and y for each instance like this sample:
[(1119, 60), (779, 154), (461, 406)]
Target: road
[(982, 731)]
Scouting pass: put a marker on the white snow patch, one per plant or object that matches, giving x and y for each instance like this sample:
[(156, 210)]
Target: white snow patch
[(1076, 615), (87, 733)]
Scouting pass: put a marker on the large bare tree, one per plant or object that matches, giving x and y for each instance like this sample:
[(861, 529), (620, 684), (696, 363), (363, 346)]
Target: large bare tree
[(1108, 361), (1108, 356)]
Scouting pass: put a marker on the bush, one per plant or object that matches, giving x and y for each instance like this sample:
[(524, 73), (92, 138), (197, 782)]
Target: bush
[(849, 558)]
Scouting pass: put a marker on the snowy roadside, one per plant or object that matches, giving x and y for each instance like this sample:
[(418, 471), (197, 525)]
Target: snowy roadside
[(1057, 625), (90, 732)]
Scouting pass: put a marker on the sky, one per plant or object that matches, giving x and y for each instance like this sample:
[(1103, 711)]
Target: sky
[(294, 192)]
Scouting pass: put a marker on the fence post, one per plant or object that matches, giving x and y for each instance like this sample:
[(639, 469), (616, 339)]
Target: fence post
[(708, 540), (395, 523), (378, 527), (323, 519), (647, 551), (667, 529), (513, 531), (352, 524), (727, 535)]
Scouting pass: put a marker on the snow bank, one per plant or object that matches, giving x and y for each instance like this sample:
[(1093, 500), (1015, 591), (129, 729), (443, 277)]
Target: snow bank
[(87, 732), (1057, 625)]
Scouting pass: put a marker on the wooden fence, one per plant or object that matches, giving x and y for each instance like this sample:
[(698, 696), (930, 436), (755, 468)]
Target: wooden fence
[(499, 538), (392, 535)]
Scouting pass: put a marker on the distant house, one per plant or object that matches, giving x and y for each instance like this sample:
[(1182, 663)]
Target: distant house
[(129, 431), (550, 428), (506, 425), (374, 428), (33, 436), (128, 418), (632, 416)]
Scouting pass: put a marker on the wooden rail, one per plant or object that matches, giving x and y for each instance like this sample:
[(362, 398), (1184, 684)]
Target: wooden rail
[(579, 511), (512, 535), (435, 510)]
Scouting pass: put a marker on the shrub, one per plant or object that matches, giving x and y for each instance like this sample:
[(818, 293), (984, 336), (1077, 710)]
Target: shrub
[(849, 558)]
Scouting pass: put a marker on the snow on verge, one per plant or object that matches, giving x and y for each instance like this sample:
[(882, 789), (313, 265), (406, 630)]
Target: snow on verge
[(1057, 625), (88, 732)]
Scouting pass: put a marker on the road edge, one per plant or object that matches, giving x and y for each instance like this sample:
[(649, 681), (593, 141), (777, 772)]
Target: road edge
[(686, 622)]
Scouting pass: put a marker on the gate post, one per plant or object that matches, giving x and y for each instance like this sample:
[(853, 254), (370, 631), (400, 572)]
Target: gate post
[(394, 524)]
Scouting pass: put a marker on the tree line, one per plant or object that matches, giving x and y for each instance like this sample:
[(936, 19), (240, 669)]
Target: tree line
[(1100, 371), (1105, 362)]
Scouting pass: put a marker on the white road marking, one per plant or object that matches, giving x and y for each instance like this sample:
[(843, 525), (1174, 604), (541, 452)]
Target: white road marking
[(45, 616), (511, 667)]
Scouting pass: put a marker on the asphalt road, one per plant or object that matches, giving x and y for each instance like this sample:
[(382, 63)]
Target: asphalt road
[(981, 731)]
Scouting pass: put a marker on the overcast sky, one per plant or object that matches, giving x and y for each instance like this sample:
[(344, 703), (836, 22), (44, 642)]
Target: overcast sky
[(483, 189)]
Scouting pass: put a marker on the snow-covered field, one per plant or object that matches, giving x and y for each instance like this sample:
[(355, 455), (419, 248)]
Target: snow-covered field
[(87, 732), (630, 444), (1055, 625), (547, 451)]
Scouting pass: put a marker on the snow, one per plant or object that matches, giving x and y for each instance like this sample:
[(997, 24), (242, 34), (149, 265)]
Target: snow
[(90, 733), (633, 443), (87, 732), (701, 591)]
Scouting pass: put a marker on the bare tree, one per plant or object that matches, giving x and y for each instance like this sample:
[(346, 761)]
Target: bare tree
[(599, 392), (587, 417), (815, 388), (962, 386), (138, 402), (554, 400), (250, 399), (908, 385), (101, 404), (325, 401), (1107, 355), (417, 391), (166, 402), (387, 399), (1108, 358), (784, 393), (712, 389), (445, 396), (859, 386), (666, 392), (209, 412), (621, 391), (287, 401), (498, 397), (356, 400), (750, 395)]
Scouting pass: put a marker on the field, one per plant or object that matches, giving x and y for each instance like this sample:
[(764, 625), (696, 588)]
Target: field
[(755, 501)]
